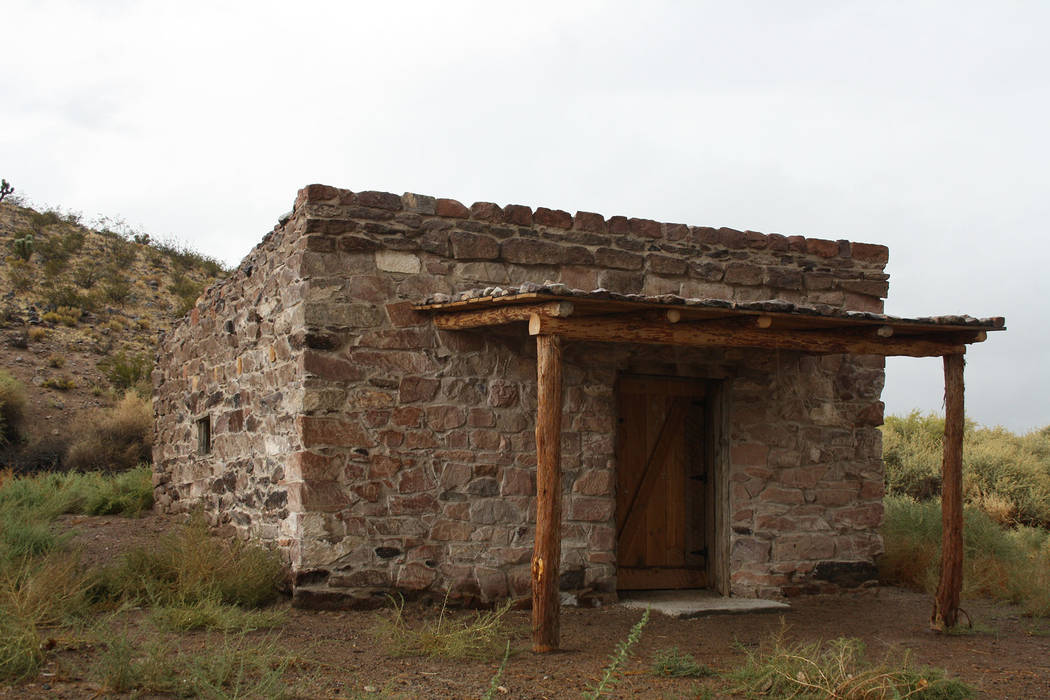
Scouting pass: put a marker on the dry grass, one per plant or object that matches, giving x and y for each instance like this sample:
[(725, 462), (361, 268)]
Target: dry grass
[(12, 407), (113, 439), (190, 567), (478, 635), (839, 669), (1010, 564)]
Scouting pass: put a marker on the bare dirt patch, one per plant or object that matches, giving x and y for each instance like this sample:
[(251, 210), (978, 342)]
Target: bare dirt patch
[(337, 654)]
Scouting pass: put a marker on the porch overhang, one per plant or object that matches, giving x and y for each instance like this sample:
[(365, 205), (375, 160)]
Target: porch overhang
[(554, 313), (602, 316)]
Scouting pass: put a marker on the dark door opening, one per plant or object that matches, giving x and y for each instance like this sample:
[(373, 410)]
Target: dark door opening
[(664, 515)]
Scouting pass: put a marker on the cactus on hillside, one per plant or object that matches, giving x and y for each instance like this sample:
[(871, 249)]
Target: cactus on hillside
[(23, 246)]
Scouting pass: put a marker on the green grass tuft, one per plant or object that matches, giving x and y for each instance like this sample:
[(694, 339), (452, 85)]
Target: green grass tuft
[(676, 664)]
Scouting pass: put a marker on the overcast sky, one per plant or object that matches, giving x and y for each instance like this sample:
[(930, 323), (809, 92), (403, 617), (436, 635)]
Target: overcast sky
[(920, 125)]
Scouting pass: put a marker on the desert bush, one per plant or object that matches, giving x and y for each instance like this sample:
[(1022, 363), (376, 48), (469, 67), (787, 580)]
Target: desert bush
[(477, 635), (66, 315), (126, 370), (185, 258), (122, 252), (21, 275), (839, 669), (64, 295), (62, 382), (191, 567), (1007, 563), (113, 439), (116, 289), (36, 333), (41, 220), (12, 407), (1005, 474), (85, 275), (185, 291)]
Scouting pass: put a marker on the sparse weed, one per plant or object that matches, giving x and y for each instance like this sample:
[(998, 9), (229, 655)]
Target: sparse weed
[(210, 613), (56, 361), (611, 673), (37, 333)]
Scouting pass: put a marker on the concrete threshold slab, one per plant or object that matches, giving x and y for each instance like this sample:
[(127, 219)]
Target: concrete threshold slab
[(686, 604)]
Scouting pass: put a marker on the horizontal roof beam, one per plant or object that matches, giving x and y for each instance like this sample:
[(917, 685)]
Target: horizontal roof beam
[(683, 333), (499, 315)]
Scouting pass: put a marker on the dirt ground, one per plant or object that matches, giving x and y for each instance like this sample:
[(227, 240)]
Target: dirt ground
[(1008, 658)]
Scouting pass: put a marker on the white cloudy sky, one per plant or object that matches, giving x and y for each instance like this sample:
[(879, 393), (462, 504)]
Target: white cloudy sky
[(921, 125)]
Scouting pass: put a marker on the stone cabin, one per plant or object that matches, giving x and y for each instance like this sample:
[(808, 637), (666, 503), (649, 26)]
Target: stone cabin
[(308, 404)]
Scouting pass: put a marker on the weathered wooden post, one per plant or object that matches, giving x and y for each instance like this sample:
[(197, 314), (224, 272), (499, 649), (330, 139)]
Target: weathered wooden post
[(547, 549), (946, 604)]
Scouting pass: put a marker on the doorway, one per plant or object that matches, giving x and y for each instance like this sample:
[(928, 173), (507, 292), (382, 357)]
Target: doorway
[(667, 513)]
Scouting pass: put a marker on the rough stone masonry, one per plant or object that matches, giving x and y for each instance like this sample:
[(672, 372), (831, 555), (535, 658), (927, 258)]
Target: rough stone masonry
[(304, 404)]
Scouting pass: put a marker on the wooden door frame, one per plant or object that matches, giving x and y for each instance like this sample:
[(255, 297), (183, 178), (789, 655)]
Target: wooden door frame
[(716, 446)]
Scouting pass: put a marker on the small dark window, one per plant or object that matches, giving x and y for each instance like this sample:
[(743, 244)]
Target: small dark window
[(204, 435)]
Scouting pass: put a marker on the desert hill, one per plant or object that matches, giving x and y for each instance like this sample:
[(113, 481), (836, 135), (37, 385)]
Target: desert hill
[(81, 308)]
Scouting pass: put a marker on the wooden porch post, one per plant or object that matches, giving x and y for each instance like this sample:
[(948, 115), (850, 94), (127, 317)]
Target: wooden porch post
[(547, 549), (946, 605)]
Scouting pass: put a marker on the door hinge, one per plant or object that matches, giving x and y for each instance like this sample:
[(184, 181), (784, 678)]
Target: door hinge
[(701, 478), (702, 552)]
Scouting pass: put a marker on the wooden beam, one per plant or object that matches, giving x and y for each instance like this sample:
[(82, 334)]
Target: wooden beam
[(547, 548), (499, 315), (614, 329), (946, 605)]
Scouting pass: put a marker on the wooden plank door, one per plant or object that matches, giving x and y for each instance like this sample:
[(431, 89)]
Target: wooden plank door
[(661, 499)]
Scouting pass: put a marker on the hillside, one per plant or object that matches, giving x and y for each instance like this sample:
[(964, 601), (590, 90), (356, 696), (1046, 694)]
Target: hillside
[(81, 309)]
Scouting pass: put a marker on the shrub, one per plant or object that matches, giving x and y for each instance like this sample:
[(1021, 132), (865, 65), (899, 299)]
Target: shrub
[(210, 613), (113, 439), (67, 296), (1007, 563), (36, 333), (60, 383), (122, 252), (85, 275), (127, 370), (66, 315), (12, 407), (1005, 474), (184, 258), (56, 361), (186, 292), (21, 275), (116, 289), (41, 220)]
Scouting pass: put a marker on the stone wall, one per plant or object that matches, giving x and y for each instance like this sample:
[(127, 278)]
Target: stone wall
[(406, 455), (235, 361)]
